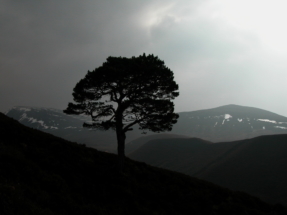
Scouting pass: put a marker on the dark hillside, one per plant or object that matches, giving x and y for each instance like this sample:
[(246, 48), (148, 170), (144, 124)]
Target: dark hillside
[(137, 143), (43, 174), (188, 155), (257, 166)]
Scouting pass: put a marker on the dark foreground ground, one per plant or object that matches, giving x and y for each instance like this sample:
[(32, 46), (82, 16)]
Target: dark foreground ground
[(43, 174)]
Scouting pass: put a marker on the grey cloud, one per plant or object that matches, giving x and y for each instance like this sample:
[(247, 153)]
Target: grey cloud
[(48, 46)]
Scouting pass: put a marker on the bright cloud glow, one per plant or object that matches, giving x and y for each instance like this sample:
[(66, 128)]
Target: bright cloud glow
[(155, 14), (266, 19)]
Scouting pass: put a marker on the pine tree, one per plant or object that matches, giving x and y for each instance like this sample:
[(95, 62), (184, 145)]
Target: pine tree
[(124, 92)]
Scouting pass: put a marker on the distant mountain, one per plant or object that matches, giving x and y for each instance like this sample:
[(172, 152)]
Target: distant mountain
[(230, 122), (69, 127), (46, 118), (226, 123), (44, 174), (257, 166)]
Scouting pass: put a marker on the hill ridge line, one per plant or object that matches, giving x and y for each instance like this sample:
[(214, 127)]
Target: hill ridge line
[(222, 157)]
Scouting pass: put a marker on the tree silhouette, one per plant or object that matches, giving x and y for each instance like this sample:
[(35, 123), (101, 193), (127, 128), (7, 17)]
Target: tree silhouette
[(124, 92)]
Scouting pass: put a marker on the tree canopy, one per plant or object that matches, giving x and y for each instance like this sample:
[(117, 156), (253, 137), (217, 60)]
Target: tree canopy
[(127, 91)]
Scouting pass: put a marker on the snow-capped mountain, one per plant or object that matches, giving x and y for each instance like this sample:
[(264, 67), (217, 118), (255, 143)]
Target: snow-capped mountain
[(226, 123), (230, 122), (69, 127), (46, 118)]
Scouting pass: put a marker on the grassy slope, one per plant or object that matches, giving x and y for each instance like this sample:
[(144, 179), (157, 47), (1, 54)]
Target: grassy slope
[(43, 174)]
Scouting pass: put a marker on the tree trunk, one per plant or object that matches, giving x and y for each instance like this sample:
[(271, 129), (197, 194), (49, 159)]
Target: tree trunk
[(121, 137)]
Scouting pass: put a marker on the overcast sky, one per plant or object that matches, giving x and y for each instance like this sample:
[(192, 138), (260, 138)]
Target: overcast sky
[(221, 51)]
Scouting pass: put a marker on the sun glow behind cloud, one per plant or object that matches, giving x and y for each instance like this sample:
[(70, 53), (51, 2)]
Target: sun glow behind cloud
[(156, 13), (159, 14), (242, 42), (265, 18)]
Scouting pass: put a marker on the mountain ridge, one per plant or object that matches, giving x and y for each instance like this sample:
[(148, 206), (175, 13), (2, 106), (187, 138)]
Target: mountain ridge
[(224, 123), (229, 123), (234, 107)]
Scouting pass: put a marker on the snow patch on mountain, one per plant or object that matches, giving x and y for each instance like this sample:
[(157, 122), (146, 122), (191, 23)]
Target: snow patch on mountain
[(41, 122), (24, 109), (267, 120), (23, 116), (69, 127), (33, 120), (281, 127), (226, 117)]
